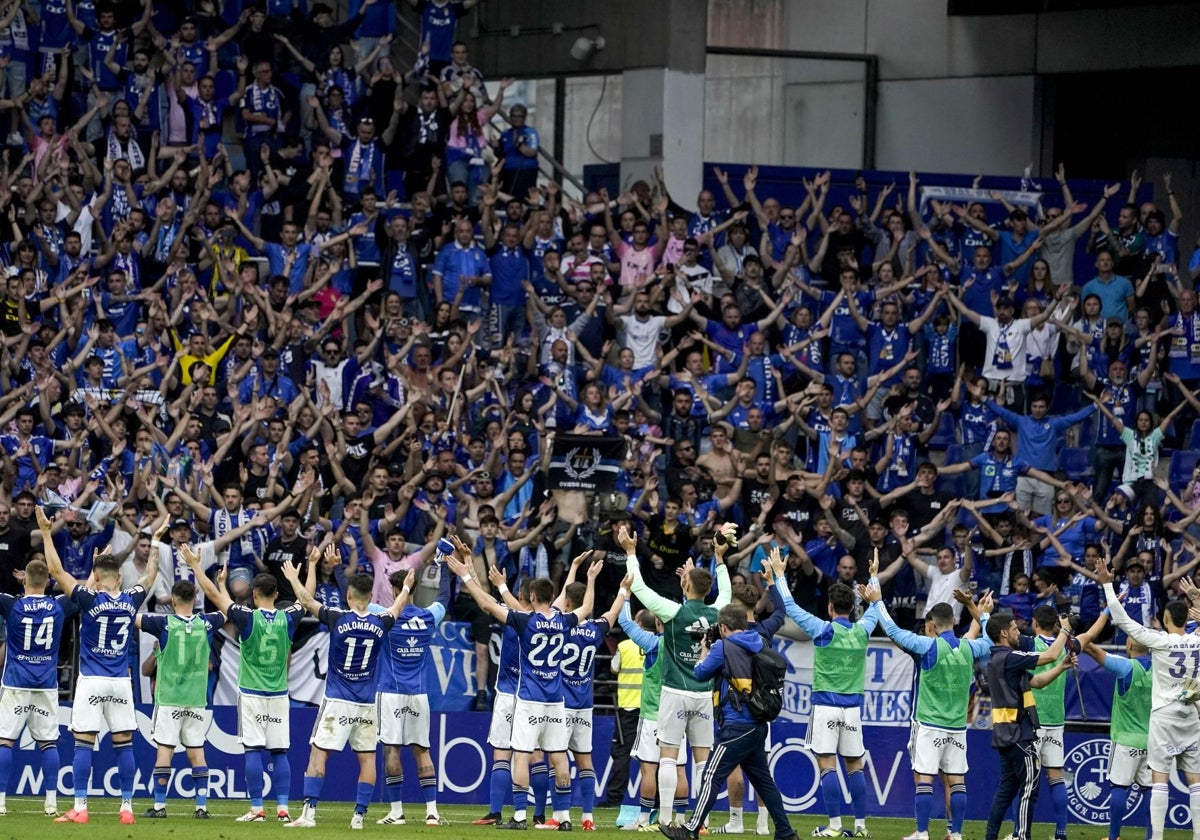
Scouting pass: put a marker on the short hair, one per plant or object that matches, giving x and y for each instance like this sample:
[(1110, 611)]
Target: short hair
[(265, 585), (37, 573), (541, 591), (644, 618), (701, 580), (942, 615), (575, 591), (998, 624), (732, 617), (361, 584), (106, 564), (841, 599), (1045, 617), (746, 594), (1178, 613), (183, 591)]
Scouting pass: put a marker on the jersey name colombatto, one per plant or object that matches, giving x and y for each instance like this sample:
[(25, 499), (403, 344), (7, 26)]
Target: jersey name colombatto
[(355, 642)]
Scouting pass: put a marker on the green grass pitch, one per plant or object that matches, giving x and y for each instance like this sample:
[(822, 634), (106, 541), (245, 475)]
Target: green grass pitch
[(26, 822)]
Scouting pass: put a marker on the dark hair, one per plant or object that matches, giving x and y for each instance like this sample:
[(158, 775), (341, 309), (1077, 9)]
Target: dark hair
[(107, 564), (841, 599), (1178, 612), (942, 615), (575, 592), (746, 594), (998, 624), (701, 580), (264, 585), (184, 590), (732, 617), (541, 591), (1045, 617), (362, 584)]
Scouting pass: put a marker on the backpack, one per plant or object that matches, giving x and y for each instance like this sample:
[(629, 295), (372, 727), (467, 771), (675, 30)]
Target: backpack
[(768, 674)]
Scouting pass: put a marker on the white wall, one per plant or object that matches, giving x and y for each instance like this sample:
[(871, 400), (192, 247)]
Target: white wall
[(966, 125), (971, 78)]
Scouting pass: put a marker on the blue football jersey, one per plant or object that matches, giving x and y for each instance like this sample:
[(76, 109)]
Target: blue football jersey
[(542, 639), (404, 668), (105, 628), (35, 624), (579, 661), (355, 642), (509, 669)]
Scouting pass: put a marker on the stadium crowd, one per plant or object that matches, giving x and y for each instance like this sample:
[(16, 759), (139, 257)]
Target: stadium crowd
[(267, 294)]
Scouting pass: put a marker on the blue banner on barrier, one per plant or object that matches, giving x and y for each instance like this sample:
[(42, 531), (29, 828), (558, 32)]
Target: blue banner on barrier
[(463, 761)]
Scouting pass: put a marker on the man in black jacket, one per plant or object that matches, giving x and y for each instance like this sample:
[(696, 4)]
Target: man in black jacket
[(741, 740), (1014, 717)]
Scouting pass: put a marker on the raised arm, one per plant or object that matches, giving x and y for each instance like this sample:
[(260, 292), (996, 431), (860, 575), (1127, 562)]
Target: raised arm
[(214, 592), (66, 582), (662, 607)]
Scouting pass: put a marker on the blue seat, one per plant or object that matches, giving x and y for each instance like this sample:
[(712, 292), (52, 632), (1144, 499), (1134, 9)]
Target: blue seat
[(944, 436), (954, 454), (226, 83), (1182, 463), (953, 485), (1076, 463), (1194, 437), (1066, 398), (1087, 432)]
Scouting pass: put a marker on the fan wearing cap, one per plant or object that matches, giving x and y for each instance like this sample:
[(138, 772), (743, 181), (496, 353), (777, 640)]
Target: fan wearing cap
[(268, 381), (1004, 355), (1015, 244)]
